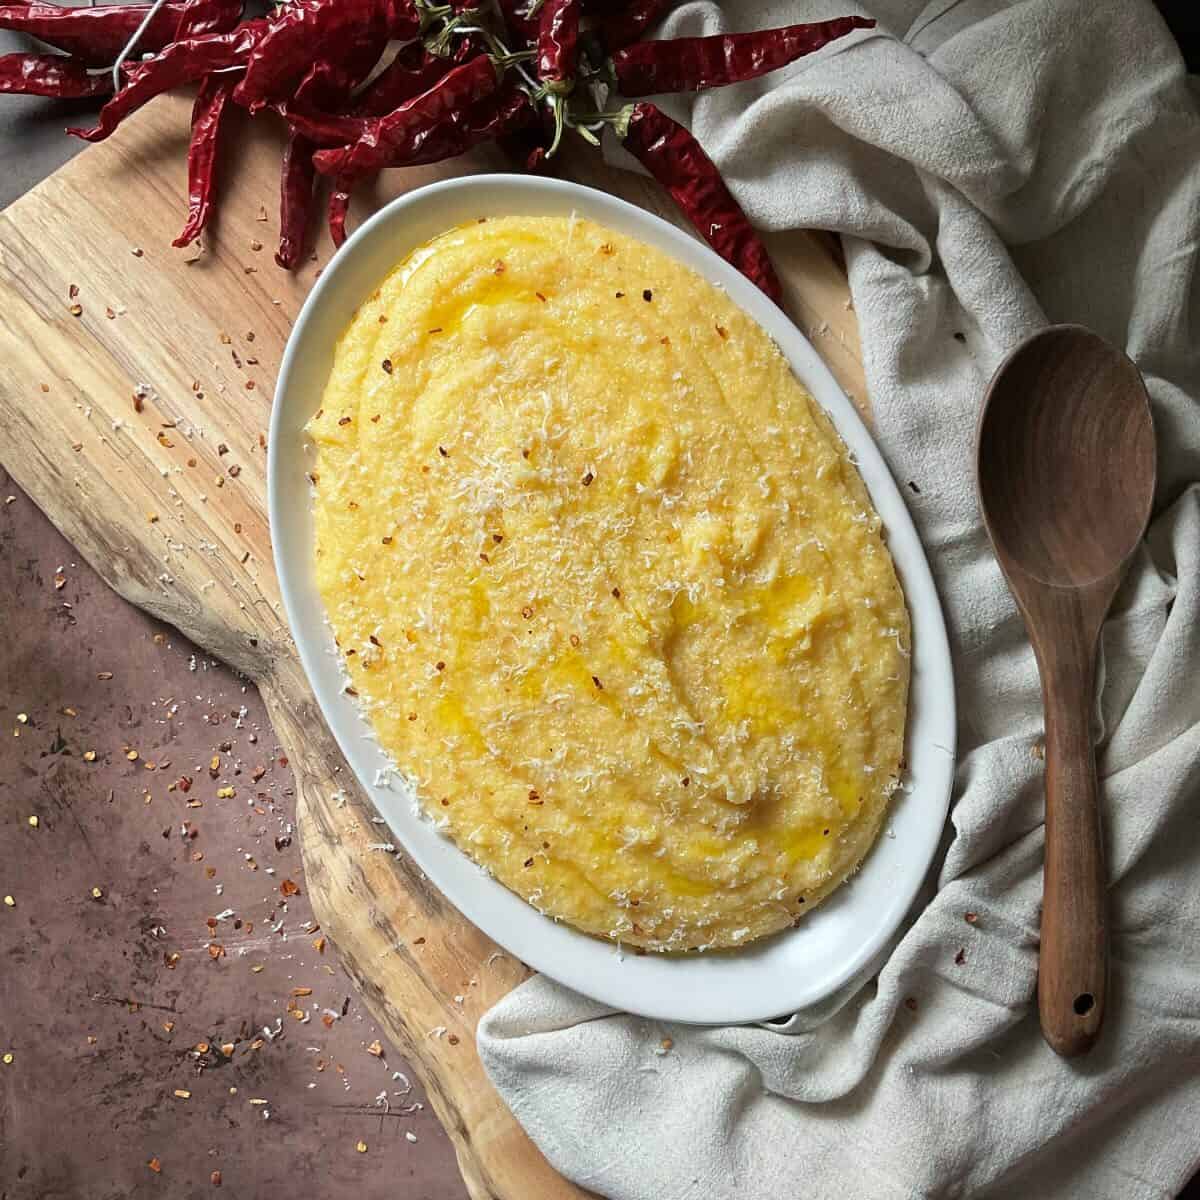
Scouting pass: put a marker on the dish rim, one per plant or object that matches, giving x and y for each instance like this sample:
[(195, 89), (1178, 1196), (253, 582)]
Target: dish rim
[(757, 982)]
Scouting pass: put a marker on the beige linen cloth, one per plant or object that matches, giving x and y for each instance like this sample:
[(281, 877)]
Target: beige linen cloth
[(991, 166)]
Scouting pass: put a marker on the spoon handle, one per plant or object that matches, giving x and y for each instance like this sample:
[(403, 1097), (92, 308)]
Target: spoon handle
[(1073, 962)]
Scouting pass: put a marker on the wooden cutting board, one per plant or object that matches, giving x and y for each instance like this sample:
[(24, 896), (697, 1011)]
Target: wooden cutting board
[(166, 498)]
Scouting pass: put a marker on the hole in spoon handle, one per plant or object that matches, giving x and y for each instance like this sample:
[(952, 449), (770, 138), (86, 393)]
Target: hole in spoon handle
[(1073, 961)]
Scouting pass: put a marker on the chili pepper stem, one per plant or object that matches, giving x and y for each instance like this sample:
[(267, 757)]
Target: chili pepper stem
[(558, 106), (619, 120), (585, 133)]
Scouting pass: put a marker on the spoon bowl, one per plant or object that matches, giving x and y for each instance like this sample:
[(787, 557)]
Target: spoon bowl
[(1066, 457), (1066, 474)]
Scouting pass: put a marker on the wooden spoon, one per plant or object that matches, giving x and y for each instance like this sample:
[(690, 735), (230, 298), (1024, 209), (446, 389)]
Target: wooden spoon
[(1066, 471)]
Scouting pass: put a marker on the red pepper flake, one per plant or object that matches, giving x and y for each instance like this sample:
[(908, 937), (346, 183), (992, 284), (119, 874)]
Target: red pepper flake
[(616, 593), (587, 479), (72, 291), (527, 612), (137, 252), (282, 760), (184, 783), (970, 918), (440, 665), (250, 385), (215, 950), (215, 1179), (722, 332), (910, 1002), (110, 313), (574, 640), (540, 297), (343, 420), (155, 1165), (960, 958), (453, 1039), (289, 888)]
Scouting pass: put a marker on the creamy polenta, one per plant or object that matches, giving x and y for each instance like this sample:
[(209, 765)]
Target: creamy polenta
[(609, 588)]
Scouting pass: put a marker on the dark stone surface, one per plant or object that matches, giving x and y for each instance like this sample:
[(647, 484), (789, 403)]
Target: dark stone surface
[(101, 1029)]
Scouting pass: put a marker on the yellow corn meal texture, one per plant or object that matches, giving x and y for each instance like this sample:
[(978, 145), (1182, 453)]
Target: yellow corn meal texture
[(610, 591)]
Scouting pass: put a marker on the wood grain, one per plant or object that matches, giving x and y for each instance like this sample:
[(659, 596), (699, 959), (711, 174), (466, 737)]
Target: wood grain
[(166, 498), (1066, 481)]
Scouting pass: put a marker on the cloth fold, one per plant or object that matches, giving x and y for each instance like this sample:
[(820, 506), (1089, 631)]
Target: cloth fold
[(990, 165)]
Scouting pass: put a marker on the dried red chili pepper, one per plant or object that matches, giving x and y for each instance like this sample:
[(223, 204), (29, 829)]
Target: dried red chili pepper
[(207, 111), (485, 120), (400, 134), (626, 26), (200, 17), (350, 33), (558, 45), (492, 118), (295, 200), (51, 75), (96, 36), (327, 129), (181, 62), (326, 87), (413, 71), (693, 64), (674, 157), (339, 207)]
